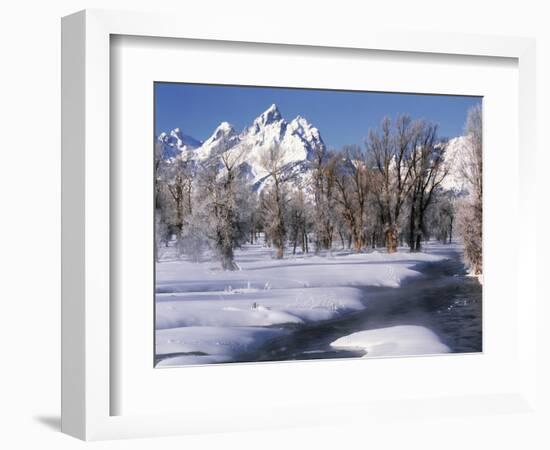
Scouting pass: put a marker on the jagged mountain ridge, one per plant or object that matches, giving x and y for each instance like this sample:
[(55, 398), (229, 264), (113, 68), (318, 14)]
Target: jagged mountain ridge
[(298, 140)]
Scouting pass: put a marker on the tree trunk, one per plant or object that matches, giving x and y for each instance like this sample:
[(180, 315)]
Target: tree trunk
[(280, 232), (179, 216), (227, 258), (419, 226), (418, 243), (228, 263), (415, 220), (412, 226), (391, 239)]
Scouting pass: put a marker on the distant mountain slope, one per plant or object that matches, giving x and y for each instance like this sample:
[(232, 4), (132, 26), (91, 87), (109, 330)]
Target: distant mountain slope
[(454, 160)]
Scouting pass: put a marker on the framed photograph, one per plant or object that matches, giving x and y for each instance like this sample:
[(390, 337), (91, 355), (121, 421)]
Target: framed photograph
[(256, 226), (284, 242)]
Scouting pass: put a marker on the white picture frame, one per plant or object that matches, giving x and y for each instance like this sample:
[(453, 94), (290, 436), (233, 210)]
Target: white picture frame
[(87, 320)]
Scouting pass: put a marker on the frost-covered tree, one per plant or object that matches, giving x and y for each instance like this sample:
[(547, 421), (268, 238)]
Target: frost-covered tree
[(173, 186), (428, 172), (470, 210), (324, 171), (378, 236), (352, 181), (346, 201), (177, 179), (223, 197), (346, 204), (274, 198), (297, 219), (255, 223), (361, 180), (471, 166), (390, 148), (161, 225), (159, 169), (193, 241), (162, 233), (441, 218)]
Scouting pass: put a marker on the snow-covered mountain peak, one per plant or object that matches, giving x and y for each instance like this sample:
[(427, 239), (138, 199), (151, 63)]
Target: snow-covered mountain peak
[(269, 116), (176, 142), (223, 138), (224, 132), (302, 127), (176, 132), (300, 121), (224, 129)]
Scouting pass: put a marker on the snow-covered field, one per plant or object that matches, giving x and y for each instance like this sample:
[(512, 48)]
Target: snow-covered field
[(206, 315)]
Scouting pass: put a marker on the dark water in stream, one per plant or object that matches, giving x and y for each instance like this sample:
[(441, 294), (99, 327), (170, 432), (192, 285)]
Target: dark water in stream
[(443, 299)]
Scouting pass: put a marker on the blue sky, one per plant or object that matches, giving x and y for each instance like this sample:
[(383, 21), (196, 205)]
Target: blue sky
[(342, 117)]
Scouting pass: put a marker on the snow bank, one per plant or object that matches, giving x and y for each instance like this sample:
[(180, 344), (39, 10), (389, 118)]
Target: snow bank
[(202, 345), (249, 307), (259, 271), (394, 341), (176, 361)]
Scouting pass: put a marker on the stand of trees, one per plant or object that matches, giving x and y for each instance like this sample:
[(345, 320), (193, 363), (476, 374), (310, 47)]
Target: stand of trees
[(384, 194), (274, 201)]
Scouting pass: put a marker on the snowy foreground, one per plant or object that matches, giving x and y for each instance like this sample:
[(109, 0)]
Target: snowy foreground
[(205, 315)]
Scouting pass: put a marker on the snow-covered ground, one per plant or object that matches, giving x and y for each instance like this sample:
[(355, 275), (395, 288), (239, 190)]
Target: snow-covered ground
[(205, 315)]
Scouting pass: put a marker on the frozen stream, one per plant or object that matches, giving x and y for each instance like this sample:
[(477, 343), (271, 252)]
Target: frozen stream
[(444, 300)]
